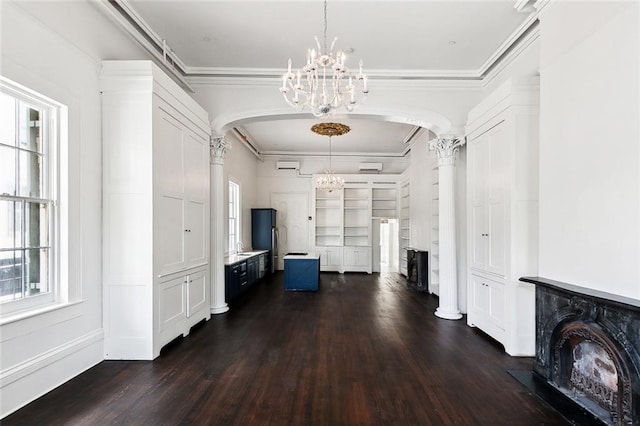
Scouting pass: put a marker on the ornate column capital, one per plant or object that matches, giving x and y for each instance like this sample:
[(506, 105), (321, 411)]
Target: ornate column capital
[(218, 147), (446, 147)]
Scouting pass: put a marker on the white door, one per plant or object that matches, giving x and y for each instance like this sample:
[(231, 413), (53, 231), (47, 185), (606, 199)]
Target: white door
[(194, 240), (292, 223)]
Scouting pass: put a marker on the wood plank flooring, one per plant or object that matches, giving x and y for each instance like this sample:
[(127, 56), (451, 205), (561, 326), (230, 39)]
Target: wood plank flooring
[(364, 350)]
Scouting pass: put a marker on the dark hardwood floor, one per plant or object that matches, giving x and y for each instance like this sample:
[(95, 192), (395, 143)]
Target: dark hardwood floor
[(364, 350)]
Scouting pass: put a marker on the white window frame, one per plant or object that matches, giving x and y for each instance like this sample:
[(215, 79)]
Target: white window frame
[(53, 121), (234, 212)]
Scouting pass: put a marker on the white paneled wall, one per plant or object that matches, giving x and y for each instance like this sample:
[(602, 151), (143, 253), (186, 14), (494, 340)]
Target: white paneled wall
[(42, 49)]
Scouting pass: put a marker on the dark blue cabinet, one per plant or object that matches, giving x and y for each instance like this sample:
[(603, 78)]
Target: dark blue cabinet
[(236, 280), (301, 273), (241, 276), (264, 234)]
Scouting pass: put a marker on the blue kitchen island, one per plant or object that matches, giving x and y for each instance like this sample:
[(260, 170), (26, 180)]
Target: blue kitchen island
[(301, 272)]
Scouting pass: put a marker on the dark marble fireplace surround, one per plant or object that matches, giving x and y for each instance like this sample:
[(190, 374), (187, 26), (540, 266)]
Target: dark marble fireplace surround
[(588, 348)]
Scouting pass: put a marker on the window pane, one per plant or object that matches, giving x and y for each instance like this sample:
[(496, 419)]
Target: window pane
[(29, 128), (10, 275), (7, 170), (30, 175), (10, 218), (36, 271), (7, 120), (36, 225)]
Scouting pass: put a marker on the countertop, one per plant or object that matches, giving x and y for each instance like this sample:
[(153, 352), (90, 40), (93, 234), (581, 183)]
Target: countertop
[(300, 256), (235, 258)]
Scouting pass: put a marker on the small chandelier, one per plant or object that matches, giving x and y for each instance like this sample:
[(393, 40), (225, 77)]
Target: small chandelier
[(328, 181), (320, 85)]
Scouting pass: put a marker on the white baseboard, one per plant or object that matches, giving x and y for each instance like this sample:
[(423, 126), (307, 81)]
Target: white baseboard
[(22, 383)]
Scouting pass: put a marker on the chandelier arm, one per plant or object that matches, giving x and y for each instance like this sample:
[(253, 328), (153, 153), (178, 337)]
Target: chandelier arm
[(320, 96)]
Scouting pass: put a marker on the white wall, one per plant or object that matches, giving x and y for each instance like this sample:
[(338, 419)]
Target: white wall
[(240, 165), (55, 48), (590, 145), (421, 193)]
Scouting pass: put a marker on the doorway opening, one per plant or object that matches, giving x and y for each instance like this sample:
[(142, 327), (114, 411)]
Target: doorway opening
[(386, 252)]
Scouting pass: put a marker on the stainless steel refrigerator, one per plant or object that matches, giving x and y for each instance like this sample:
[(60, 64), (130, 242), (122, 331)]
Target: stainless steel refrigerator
[(264, 234)]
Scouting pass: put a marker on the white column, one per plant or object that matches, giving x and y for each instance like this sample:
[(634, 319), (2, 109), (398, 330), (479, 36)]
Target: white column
[(446, 148), (217, 149)]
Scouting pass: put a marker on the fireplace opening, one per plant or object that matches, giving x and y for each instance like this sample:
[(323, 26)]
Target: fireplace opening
[(588, 368)]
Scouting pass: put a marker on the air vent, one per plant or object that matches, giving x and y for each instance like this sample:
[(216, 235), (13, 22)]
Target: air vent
[(288, 165), (370, 167)]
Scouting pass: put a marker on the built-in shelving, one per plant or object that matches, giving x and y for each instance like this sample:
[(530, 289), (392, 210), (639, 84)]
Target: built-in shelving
[(357, 222), (405, 226), (343, 221), (328, 218), (435, 229), (384, 203)]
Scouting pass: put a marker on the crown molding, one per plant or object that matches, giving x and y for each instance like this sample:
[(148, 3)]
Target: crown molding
[(408, 74), (271, 81), (324, 155), (512, 40), (516, 49), (143, 33)]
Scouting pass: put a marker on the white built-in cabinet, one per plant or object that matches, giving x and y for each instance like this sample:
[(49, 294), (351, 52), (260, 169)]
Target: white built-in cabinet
[(155, 210), (502, 200), (342, 224)]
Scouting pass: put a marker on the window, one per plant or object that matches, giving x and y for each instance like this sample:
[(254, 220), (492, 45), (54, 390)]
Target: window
[(234, 216), (27, 198)]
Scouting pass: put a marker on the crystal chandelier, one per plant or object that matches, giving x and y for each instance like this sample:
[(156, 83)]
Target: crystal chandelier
[(328, 181), (320, 85)]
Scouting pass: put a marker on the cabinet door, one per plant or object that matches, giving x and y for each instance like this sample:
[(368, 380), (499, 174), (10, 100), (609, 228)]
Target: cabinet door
[(232, 282), (478, 238), (488, 301), (196, 292), (362, 257), (497, 300), (168, 137), (479, 169), (480, 296), (172, 306), (171, 233), (349, 256), (496, 205), (195, 241), (196, 160), (333, 257)]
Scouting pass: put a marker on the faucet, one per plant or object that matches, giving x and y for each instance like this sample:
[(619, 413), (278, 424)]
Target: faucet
[(239, 247)]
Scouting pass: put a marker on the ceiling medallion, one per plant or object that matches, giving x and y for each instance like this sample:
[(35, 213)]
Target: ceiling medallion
[(330, 129), (319, 85), (328, 181)]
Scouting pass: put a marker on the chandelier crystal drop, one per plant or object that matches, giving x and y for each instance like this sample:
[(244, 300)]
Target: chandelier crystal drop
[(328, 181), (324, 84)]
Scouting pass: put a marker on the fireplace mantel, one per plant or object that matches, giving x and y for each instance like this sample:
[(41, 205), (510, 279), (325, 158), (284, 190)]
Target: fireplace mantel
[(588, 348), (601, 296)]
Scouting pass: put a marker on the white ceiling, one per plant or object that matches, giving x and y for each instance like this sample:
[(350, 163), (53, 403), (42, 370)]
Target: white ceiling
[(394, 38)]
